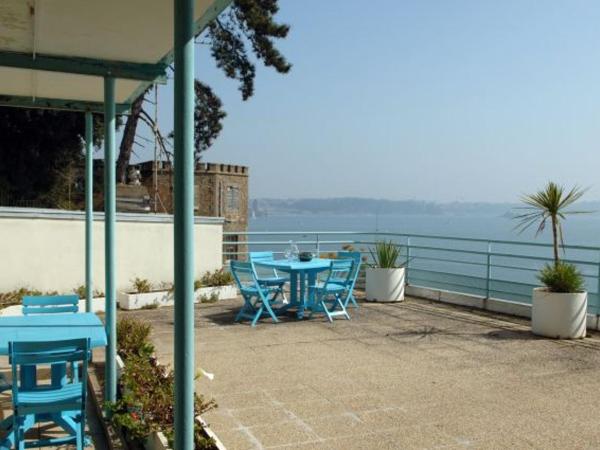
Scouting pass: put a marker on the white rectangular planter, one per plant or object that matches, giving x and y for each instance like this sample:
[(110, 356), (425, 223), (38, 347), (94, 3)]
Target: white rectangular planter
[(157, 441), (224, 292), (165, 298), (145, 300)]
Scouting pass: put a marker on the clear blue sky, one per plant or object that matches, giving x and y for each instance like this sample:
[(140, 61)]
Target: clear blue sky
[(458, 100)]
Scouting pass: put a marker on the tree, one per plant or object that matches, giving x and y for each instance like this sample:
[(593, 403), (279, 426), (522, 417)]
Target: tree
[(551, 203), (39, 149), (246, 21)]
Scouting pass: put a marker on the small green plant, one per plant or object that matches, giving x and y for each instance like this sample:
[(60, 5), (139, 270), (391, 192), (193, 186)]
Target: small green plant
[(219, 277), (15, 297), (212, 298), (80, 291), (562, 277), (141, 286), (147, 389), (133, 338), (386, 254)]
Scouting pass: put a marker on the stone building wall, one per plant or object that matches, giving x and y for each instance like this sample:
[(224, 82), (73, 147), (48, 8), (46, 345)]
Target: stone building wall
[(221, 191)]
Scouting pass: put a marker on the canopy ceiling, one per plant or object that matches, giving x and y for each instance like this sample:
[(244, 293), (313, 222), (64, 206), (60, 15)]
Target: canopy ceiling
[(55, 53)]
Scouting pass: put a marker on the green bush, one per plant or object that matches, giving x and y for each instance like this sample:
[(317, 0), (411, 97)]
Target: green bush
[(219, 277), (147, 390), (141, 286), (15, 297), (133, 338), (386, 254), (562, 277), (80, 291)]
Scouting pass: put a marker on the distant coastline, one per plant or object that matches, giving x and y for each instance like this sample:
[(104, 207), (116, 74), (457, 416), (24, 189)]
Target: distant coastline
[(264, 207)]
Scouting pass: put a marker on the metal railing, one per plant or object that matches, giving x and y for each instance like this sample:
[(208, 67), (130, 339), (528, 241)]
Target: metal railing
[(500, 269)]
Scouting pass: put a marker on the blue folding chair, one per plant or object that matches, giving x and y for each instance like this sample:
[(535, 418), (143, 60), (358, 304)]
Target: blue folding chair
[(356, 256), (258, 298), (53, 304), (63, 404), (331, 295), (50, 304), (267, 276)]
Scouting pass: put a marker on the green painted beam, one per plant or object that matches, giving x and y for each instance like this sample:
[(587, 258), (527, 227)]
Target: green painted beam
[(109, 240), (60, 104), (209, 15), (183, 222), (86, 66)]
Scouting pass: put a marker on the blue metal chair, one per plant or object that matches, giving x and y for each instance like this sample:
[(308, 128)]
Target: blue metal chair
[(53, 304), (50, 304), (63, 404), (331, 295), (258, 298), (356, 256), (267, 276)]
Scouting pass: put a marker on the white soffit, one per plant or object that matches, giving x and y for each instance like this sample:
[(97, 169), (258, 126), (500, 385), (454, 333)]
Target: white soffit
[(135, 31)]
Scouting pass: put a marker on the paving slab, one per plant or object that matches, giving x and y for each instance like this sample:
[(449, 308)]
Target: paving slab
[(412, 375)]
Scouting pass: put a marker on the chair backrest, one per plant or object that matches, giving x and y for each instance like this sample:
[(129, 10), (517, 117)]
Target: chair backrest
[(357, 257), (243, 273), (50, 304), (340, 270), (261, 271), (47, 353)]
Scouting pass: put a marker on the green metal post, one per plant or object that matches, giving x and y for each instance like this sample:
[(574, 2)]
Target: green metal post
[(89, 207), (109, 238), (184, 224)]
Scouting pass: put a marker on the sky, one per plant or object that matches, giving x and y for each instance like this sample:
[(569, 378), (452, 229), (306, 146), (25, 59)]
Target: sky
[(437, 100)]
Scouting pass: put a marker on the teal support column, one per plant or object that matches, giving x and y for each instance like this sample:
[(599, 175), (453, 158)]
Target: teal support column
[(109, 238), (184, 224), (89, 207)]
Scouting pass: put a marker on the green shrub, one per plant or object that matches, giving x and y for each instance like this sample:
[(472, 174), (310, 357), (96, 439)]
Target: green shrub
[(212, 298), (562, 277), (219, 277), (15, 297), (133, 338), (147, 390), (80, 291), (386, 254), (141, 286)]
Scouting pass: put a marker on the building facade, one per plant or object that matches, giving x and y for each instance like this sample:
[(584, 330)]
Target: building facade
[(221, 190)]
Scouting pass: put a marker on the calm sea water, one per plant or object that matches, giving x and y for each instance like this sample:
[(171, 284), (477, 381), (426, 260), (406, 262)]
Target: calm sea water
[(438, 264), (582, 230)]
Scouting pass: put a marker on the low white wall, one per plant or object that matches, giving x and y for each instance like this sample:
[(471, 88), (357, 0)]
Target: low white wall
[(489, 304), (45, 249)]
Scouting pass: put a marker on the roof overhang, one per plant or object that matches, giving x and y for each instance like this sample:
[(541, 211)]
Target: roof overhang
[(55, 53)]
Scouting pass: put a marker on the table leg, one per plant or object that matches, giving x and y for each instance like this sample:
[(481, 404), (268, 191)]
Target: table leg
[(293, 289), (312, 281), (59, 374), (302, 299)]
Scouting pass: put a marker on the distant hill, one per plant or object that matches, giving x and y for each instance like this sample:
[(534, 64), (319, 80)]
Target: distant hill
[(370, 206)]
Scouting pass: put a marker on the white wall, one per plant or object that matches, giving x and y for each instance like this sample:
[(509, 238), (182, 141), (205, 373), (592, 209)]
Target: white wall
[(45, 249)]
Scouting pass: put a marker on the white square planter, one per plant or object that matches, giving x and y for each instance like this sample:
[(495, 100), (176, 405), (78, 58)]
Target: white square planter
[(224, 292), (146, 300)]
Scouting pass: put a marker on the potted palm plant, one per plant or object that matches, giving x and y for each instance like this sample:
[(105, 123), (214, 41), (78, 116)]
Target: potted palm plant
[(559, 308), (385, 277)]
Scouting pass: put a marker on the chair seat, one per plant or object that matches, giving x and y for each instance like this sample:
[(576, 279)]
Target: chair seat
[(48, 396), (330, 287), (253, 291), (273, 281)]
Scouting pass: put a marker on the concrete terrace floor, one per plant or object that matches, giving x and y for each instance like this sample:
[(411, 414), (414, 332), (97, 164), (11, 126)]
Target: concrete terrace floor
[(410, 375)]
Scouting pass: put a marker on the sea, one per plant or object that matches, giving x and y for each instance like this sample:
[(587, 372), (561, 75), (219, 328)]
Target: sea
[(447, 263), (578, 230)]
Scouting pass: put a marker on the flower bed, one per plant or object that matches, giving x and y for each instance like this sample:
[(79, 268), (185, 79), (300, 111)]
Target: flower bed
[(144, 408), (211, 287)]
